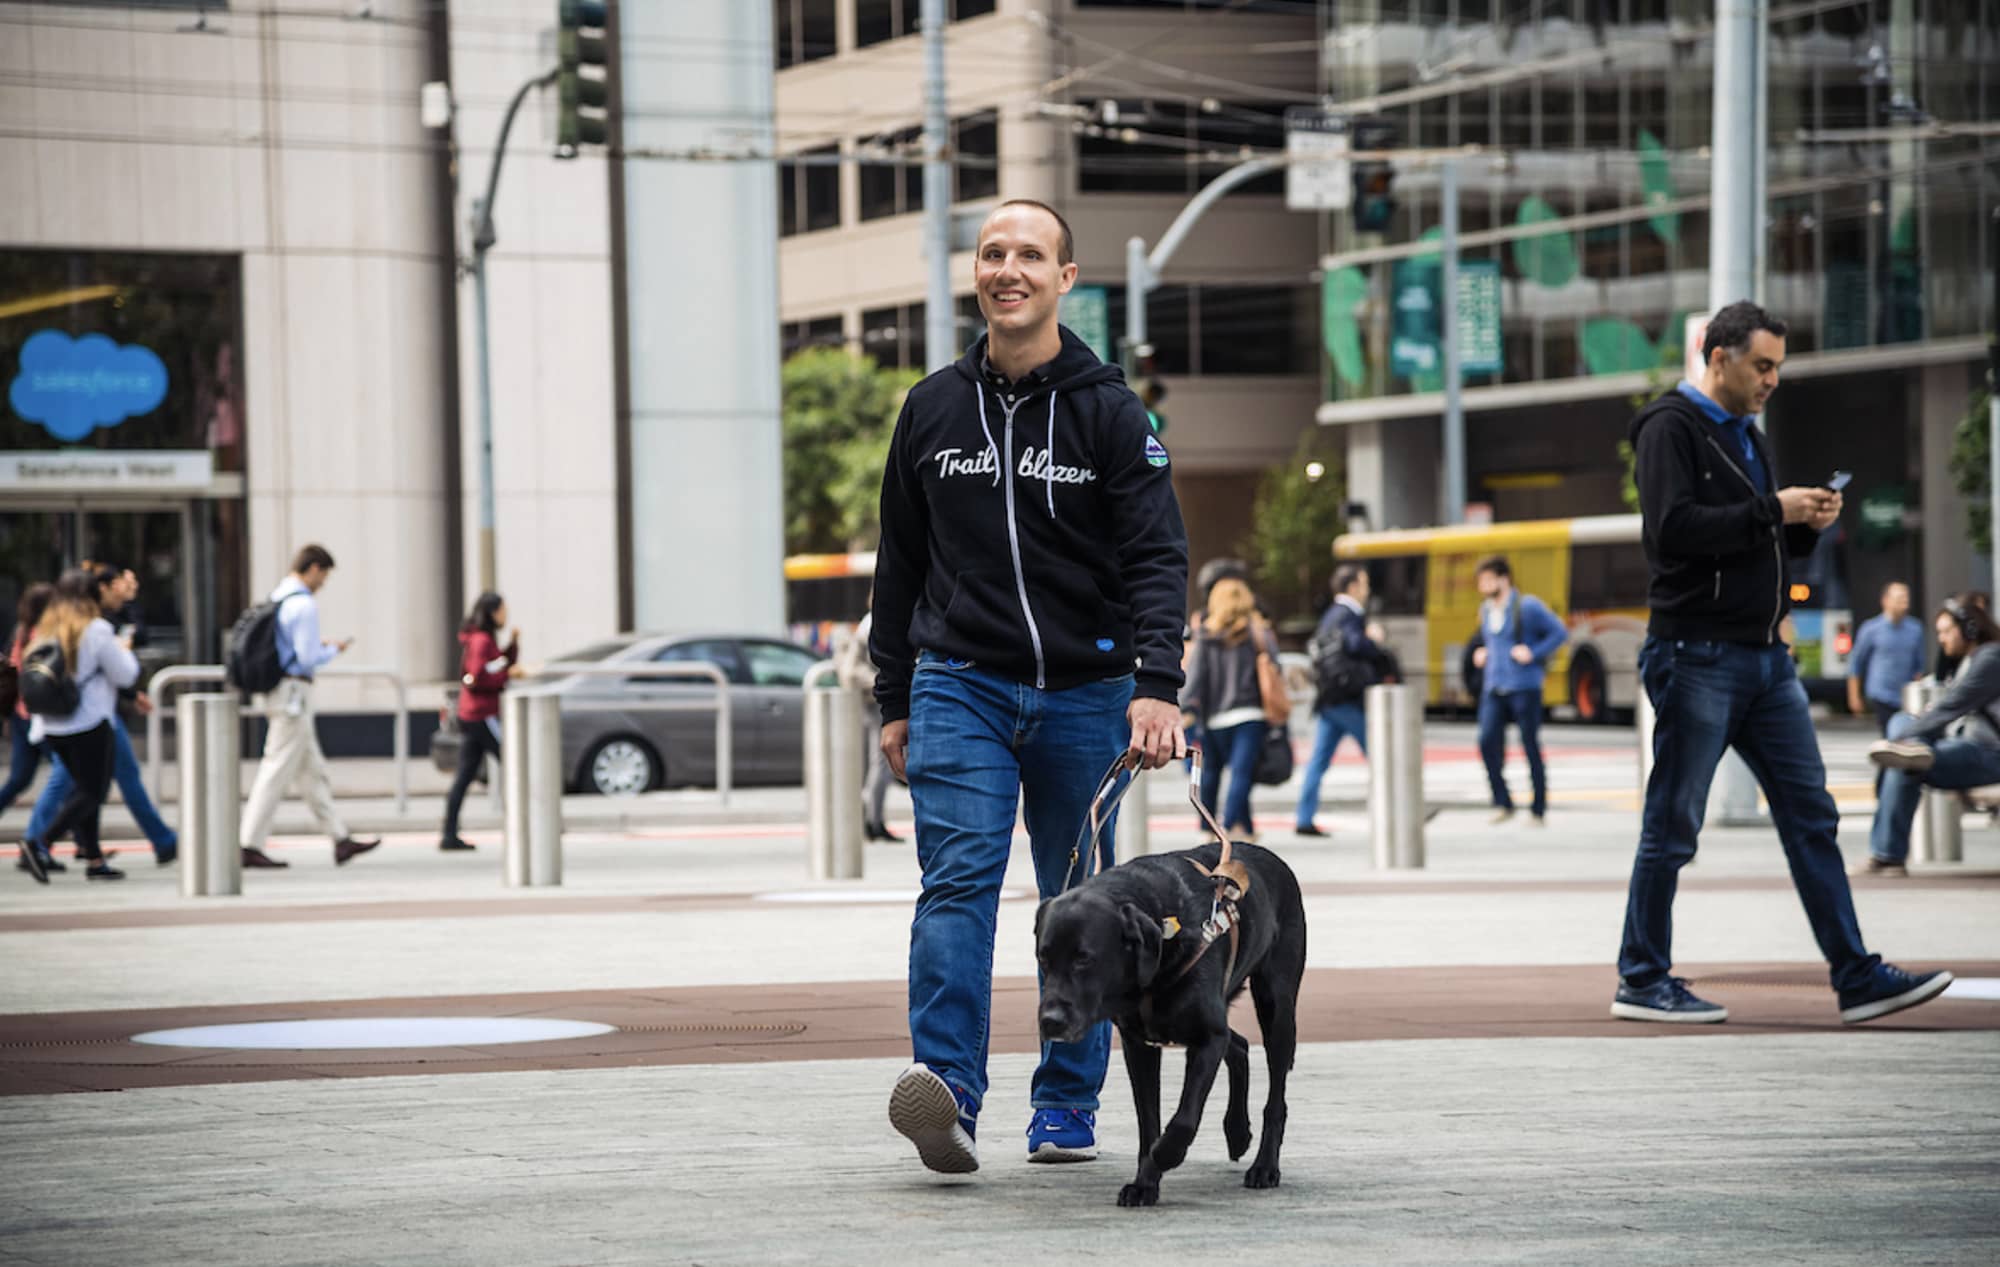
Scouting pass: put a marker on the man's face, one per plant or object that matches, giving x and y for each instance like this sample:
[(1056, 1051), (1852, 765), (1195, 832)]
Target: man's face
[(1016, 274), (1359, 591), (1896, 602), (315, 577), (1744, 383), (1489, 584)]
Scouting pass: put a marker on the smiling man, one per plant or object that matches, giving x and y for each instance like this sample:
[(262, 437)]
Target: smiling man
[(1028, 596)]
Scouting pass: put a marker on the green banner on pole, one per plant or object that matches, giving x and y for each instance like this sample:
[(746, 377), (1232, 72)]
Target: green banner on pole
[(1086, 310), (1416, 341)]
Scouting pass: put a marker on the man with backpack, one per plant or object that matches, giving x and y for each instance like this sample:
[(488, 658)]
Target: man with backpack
[(291, 746), (1517, 634), (1346, 662)]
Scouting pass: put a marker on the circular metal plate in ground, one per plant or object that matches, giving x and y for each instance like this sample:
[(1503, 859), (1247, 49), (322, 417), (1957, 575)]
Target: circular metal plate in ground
[(1985, 989), (358, 1033)]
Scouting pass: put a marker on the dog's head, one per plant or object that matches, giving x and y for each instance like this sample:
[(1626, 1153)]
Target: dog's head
[(1095, 954)]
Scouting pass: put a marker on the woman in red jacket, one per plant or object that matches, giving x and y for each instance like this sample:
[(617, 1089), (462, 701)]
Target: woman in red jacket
[(485, 667)]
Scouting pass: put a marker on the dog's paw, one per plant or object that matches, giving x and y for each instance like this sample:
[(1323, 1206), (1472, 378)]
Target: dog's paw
[(1239, 1136), (1134, 1195), (1261, 1176)]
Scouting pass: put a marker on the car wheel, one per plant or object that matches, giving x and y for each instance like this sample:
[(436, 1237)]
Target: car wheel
[(621, 767), (1587, 689)]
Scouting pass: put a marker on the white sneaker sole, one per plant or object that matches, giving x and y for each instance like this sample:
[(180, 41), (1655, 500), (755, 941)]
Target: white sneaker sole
[(1633, 1012), (1915, 758), (1896, 1003), (1053, 1153), (923, 1109)]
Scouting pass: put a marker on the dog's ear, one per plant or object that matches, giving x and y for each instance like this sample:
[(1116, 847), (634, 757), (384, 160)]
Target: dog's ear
[(1041, 910), (1142, 934)]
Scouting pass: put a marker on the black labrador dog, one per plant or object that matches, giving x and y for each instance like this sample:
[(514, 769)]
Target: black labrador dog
[(1128, 944)]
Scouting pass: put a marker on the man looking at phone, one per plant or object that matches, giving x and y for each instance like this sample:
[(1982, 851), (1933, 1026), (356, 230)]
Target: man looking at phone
[(1717, 531)]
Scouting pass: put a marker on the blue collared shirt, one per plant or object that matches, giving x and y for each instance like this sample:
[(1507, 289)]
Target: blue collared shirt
[(1736, 428), (300, 650), (1887, 657)]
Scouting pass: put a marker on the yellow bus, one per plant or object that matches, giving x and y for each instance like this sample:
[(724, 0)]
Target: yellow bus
[(1592, 573), (826, 595)]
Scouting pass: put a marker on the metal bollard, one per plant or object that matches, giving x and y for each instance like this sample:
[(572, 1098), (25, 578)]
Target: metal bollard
[(835, 768), (208, 732), (1395, 776), (1938, 834), (531, 770), (1643, 719), (1132, 834)]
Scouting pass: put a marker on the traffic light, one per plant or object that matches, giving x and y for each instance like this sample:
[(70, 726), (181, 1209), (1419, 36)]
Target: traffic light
[(583, 76), (1151, 391), (1374, 179)]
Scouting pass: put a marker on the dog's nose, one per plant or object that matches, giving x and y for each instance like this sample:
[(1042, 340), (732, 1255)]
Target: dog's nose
[(1054, 1023)]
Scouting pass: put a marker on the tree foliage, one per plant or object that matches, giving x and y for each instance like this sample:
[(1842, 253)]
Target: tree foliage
[(839, 411), (1293, 522), (1971, 457)]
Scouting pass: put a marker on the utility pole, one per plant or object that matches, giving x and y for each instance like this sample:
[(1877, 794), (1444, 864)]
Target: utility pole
[(483, 238), (1454, 404), (940, 319), (1993, 411), (1736, 248)]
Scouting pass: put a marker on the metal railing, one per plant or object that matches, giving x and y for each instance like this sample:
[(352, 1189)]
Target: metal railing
[(685, 670), (156, 748)]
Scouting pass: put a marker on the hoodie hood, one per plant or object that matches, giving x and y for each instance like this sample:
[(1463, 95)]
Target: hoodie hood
[(1671, 401), (1075, 366)]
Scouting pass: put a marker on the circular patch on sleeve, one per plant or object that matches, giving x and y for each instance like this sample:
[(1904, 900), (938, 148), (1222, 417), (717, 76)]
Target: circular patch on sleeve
[(1156, 453)]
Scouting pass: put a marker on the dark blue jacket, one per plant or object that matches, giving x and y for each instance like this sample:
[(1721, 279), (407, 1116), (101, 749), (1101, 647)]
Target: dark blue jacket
[(1530, 622)]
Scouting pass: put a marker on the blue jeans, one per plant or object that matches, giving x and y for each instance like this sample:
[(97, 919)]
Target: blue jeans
[(1708, 696), (1524, 709), (980, 744), (131, 786), (1961, 763), (21, 764), (1336, 723), (1238, 748)]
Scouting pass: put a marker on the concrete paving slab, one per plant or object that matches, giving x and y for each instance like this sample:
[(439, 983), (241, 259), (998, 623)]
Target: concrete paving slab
[(1874, 1148)]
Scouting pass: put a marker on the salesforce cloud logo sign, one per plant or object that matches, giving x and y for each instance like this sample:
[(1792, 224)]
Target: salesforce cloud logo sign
[(74, 386)]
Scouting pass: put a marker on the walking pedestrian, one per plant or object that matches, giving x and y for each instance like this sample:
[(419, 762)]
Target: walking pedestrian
[(1224, 695), (485, 668), (291, 746), (857, 673), (1028, 593), (1717, 528), (1516, 635), (1888, 655), (117, 595), (1955, 745), (97, 665), (1347, 660), (25, 755)]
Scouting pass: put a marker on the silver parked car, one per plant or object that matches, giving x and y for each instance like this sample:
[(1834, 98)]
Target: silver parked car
[(611, 747)]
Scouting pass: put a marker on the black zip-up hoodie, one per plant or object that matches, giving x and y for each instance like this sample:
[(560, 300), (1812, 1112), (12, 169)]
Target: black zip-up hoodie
[(1032, 530), (1715, 542)]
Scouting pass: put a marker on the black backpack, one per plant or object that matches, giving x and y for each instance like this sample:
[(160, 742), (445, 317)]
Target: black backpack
[(1339, 676), (46, 685), (250, 662)]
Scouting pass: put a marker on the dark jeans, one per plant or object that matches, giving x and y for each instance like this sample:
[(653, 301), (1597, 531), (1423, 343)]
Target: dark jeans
[(21, 767), (131, 784), (1960, 764), (88, 758), (1524, 709), (1708, 696), (1236, 747), (477, 740), (1883, 712)]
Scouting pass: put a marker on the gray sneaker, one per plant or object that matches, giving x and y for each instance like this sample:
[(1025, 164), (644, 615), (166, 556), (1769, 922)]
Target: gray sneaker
[(1902, 754), (924, 1109)]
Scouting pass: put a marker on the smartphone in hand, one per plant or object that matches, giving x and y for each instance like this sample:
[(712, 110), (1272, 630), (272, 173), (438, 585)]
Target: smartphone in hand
[(1839, 481)]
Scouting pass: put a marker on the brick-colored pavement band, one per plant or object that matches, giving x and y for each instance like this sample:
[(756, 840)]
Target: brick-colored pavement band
[(90, 1051)]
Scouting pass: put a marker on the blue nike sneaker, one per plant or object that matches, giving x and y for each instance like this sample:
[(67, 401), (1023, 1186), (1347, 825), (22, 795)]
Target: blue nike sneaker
[(1062, 1135), (932, 1114)]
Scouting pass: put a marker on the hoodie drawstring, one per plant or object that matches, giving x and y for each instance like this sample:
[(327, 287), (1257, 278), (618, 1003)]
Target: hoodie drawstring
[(1049, 456), (987, 431)]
